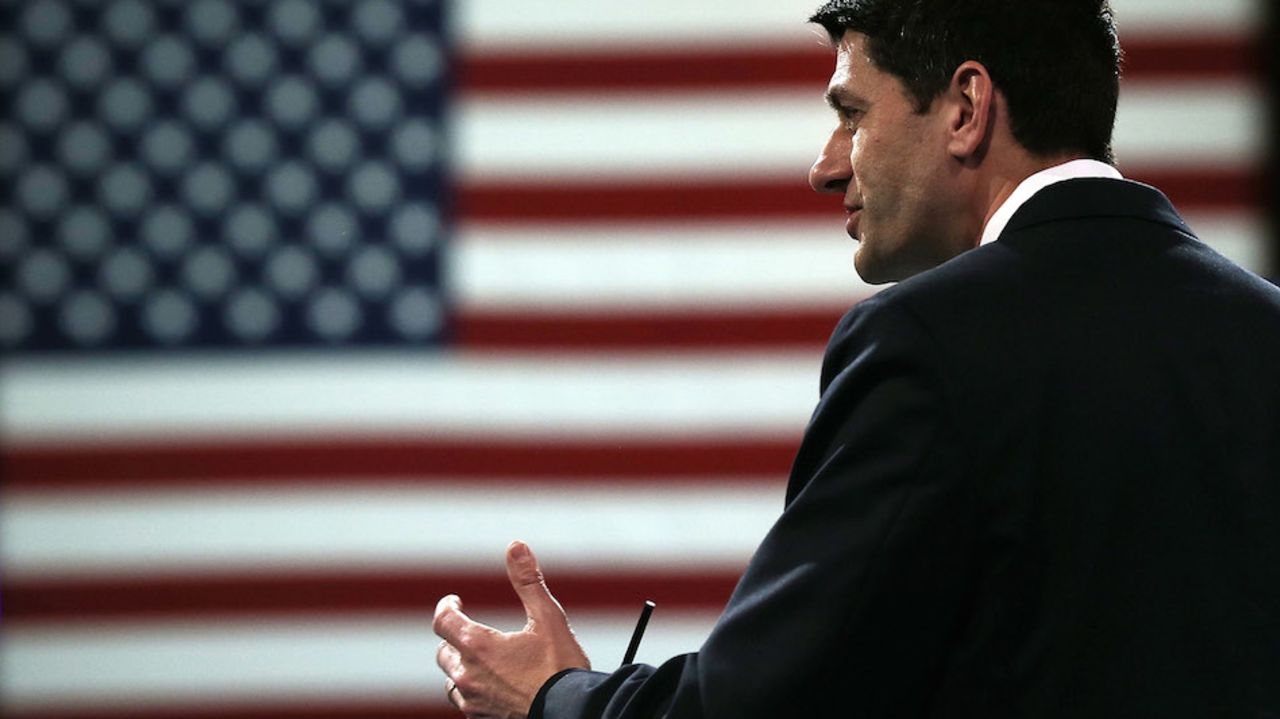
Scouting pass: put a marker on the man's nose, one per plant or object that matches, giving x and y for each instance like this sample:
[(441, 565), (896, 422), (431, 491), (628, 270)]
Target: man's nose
[(832, 170)]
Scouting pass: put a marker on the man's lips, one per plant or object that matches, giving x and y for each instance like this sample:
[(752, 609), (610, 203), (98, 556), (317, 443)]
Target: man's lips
[(851, 224)]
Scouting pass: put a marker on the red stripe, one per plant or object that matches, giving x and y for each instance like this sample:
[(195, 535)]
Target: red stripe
[(316, 461), (647, 70), (303, 708), (1194, 57), (207, 597), (500, 72), (1191, 188), (748, 329), (648, 199), (1205, 188)]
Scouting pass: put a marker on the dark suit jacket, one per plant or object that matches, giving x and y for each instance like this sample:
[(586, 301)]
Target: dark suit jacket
[(1043, 480)]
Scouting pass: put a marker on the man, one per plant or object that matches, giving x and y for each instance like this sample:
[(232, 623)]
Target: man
[(1043, 478)]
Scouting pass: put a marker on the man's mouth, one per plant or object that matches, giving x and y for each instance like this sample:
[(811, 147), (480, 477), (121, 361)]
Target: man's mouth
[(851, 224)]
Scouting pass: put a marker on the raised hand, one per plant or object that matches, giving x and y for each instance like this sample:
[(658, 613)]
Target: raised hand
[(493, 674)]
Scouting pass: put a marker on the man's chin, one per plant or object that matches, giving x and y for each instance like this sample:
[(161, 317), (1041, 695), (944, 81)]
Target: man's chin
[(875, 269), (896, 265)]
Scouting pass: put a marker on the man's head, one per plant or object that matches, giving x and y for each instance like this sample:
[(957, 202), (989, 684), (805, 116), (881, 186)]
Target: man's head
[(966, 93)]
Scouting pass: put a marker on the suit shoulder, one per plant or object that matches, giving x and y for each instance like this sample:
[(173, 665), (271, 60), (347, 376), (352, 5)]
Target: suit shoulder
[(968, 278), (882, 325), (914, 319), (985, 276)]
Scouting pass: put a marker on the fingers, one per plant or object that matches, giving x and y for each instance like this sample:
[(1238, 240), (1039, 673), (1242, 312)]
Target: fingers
[(453, 694), (451, 625), (491, 674), (448, 659), (450, 662), (526, 579)]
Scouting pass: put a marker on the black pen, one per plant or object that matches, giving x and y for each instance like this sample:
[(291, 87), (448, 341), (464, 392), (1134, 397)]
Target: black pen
[(639, 632)]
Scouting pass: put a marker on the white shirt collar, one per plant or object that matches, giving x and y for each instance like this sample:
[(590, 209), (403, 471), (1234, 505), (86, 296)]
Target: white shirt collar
[(1037, 182)]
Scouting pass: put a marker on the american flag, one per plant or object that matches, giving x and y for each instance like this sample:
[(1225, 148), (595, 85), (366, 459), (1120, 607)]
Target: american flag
[(308, 308)]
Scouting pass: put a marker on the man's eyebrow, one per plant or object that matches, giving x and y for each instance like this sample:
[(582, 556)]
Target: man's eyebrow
[(841, 100)]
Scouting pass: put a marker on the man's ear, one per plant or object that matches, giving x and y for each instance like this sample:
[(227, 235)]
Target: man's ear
[(972, 118)]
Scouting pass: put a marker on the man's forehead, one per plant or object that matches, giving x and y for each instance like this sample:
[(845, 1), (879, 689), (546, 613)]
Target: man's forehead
[(853, 68), (852, 46)]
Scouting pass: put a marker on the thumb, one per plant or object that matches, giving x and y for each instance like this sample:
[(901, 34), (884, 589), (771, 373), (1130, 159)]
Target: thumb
[(526, 579)]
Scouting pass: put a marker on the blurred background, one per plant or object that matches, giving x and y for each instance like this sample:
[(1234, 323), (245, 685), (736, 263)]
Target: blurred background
[(309, 307)]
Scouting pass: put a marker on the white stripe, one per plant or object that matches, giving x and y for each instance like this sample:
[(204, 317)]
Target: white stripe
[(404, 393), (504, 24), (780, 133), (446, 526), (769, 264), (764, 264), (642, 134), (1220, 123), (1186, 16), (382, 660), (1242, 238), (508, 24)]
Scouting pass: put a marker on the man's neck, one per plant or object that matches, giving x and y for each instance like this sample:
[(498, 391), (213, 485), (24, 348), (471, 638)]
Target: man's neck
[(1012, 195), (1004, 180)]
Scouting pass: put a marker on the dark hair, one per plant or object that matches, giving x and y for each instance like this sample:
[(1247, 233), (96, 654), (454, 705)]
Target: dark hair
[(1057, 62)]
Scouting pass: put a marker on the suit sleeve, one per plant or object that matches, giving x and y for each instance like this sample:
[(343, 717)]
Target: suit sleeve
[(855, 597)]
